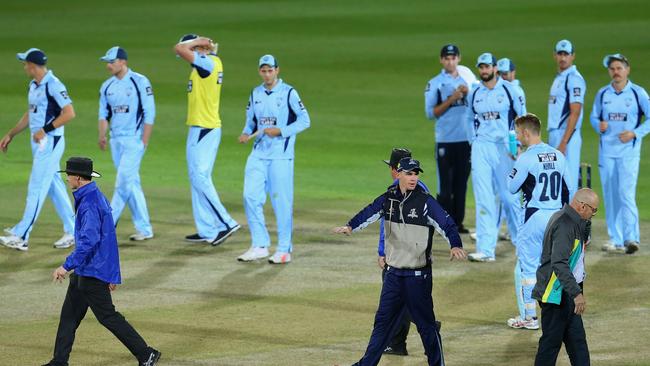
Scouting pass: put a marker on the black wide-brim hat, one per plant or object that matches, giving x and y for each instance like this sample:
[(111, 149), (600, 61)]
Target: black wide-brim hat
[(80, 166)]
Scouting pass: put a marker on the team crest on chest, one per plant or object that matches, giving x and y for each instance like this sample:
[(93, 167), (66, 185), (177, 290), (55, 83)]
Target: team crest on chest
[(628, 102), (413, 214)]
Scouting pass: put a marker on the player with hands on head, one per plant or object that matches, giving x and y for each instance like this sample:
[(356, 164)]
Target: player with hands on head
[(213, 223)]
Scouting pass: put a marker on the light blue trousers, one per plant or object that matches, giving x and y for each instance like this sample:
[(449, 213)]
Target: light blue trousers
[(210, 216), (572, 155), (43, 181), (127, 153), (529, 253), (618, 177), (275, 178), (490, 168)]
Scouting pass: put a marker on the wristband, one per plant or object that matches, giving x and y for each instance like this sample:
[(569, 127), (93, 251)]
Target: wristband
[(49, 127)]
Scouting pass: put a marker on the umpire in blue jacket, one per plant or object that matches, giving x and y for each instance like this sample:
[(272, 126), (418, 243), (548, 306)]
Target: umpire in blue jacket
[(96, 265), (410, 217)]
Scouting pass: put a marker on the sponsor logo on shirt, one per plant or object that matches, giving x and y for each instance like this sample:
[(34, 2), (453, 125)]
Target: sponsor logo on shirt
[(513, 173), (149, 90), (552, 99), (220, 77), (617, 117), (302, 106), (189, 86), (268, 121), (546, 157), (489, 116), (121, 109), (64, 94), (32, 108)]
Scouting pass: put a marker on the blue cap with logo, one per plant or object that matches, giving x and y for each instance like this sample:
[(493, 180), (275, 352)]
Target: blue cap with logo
[(268, 60), (188, 37), (505, 65), (449, 50), (615, 57), (33, 55), (114, 53), (487, 59), (409, 164), (564, 46)]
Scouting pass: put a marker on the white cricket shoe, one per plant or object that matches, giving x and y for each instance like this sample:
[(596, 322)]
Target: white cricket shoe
[(479, 257), (253, 254), (138, 236), (14, 242), (65, 242), (612, 248), (518, 323), (502, 236), (280, 258)]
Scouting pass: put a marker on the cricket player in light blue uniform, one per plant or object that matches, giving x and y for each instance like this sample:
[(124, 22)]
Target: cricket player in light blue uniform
[(213, 223), (494, 105), (618, 117), (274, 116), (565, 110), (539, 174), (445, 100), (50, 108), (507, 71), (126, 104)]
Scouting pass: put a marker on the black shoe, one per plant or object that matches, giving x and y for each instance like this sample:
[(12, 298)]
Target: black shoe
[(631, 247), (398, 351), (195, 238), (463, 230), (223, 235), (152, 358)]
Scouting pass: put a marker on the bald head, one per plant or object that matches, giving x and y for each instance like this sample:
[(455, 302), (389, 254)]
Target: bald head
[(585, 202)]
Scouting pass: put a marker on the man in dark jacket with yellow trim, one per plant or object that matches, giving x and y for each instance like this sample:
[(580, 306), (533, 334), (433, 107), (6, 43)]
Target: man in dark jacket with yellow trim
[(559, 281)]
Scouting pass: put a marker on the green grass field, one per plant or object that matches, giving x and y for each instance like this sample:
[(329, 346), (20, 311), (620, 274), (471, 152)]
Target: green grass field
[(360, 67)]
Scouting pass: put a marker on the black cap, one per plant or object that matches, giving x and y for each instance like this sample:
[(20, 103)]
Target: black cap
[(80, 166), (409, 165), (396, 155), (449, 50)]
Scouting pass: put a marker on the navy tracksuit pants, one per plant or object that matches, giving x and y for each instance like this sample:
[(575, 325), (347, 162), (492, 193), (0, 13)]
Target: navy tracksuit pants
[(404, 290)]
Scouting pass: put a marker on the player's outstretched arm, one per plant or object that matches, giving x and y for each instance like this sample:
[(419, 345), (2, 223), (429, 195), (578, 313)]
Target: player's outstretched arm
[(342, 230)]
